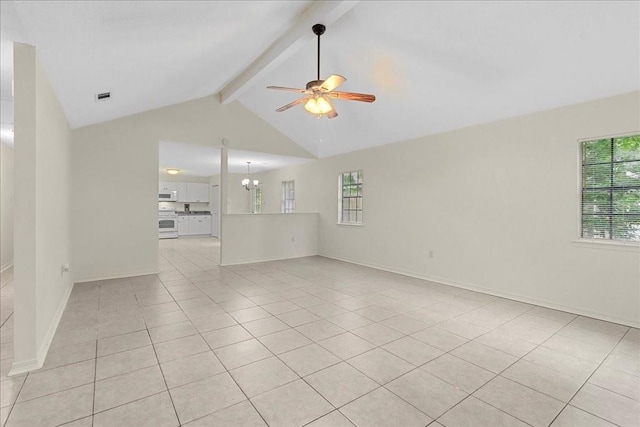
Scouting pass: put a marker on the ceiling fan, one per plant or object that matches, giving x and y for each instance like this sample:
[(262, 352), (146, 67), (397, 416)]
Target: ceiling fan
[(318, 93)]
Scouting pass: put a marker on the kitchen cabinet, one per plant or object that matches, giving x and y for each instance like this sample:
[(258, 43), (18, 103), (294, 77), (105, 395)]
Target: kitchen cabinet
[(206, 224), (183, 225), (197, 192), (182, 192), (188, 192), (193, 225), (168, 186)]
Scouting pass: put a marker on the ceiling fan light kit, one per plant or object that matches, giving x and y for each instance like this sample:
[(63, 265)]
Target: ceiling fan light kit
[(319, 92), (318, 106)]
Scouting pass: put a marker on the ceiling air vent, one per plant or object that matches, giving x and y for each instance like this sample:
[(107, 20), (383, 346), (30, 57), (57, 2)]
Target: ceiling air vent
[(103, 96)]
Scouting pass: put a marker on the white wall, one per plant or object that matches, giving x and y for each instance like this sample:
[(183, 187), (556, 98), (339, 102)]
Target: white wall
[(496, 203), (6, 205), (42, 197), (238, 199), (117, 161), (267, 237), (241, 200), (271, 185)]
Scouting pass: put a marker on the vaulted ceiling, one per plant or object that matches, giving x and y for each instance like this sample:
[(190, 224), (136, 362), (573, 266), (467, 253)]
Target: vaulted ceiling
[(434, 66)]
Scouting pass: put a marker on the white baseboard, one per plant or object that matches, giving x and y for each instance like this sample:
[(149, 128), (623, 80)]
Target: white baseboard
[(253, 261), (117, 276), (24, 366), (6, 266), (508, 295)]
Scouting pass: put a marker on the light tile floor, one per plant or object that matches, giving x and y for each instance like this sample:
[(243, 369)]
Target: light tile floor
[(317, 342)]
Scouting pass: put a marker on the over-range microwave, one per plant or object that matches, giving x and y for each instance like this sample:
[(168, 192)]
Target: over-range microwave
[(167, 196)]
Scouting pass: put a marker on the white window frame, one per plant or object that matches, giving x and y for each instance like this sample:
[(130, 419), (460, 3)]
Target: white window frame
[(579, 241), (257, 208), (360, 203), (288, 204)]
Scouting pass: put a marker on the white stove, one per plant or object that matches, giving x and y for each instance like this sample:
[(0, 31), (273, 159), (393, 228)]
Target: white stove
[(167, 224)]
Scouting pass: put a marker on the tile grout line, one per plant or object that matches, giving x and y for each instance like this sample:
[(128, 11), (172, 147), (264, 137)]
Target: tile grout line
[(16, 400), (499, 374), (469, 340), (290, 327), (346, 361), (324, 285), (226, 371), (273, 355), (7, 319), (159, 364), (524, 385), (95, 381), (95, 369), (587, 380), (380, 346), (469, 394), (213, 352), (495, 374)]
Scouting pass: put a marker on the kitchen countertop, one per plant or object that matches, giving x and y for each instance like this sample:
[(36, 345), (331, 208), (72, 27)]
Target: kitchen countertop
[(193, 213)]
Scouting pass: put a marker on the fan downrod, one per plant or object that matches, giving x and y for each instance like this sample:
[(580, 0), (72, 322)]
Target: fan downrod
[(318, 29)]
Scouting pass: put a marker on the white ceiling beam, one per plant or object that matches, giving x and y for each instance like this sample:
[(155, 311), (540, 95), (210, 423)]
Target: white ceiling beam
[(323, 11)]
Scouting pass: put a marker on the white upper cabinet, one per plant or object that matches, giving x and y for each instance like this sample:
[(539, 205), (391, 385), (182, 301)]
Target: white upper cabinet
[(168, 186), (188, 192), (197, 192), (182, 192)]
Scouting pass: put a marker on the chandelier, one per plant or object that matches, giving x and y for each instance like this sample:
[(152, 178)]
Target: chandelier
[(247, 182)]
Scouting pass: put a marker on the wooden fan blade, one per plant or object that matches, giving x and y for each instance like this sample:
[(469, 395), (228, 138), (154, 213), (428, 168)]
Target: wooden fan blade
[(333, 113), (351, 96), (289, 89), (332, 82), (291, 104)]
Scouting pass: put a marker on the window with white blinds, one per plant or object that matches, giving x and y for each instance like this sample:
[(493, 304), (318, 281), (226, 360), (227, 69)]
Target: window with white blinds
[(350, 198), (611, 189), (288, 197)]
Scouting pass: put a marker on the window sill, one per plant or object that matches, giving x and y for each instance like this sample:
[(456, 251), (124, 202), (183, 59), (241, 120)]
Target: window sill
[(607, 244), (350, 224)]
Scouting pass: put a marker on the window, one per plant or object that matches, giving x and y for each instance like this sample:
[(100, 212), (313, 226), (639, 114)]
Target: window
[(611, 189), (288, 199), (350, 198), (257, 200)]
